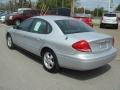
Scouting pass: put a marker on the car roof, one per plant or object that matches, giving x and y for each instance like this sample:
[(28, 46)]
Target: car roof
[(83, 15), (53, 17), (109, 13)]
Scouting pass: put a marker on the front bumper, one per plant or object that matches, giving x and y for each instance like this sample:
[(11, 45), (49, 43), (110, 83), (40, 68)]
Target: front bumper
[(86, 61), (9, 22), (2, 20)]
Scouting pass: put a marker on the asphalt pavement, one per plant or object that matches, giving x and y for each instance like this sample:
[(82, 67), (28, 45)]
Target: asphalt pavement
[(20, 70)]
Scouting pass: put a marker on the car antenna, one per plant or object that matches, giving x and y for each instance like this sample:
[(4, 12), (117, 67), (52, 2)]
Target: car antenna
[(66, 37)]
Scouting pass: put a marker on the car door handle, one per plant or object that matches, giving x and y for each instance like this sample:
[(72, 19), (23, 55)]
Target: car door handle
[(32, 38), (38, 39)]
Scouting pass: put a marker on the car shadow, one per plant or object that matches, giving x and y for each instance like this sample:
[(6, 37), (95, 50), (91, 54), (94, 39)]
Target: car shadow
[(29, 55), (85, 75), (79, 75)]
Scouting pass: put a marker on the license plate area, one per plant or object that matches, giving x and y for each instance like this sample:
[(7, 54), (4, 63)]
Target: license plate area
[(103, 45)]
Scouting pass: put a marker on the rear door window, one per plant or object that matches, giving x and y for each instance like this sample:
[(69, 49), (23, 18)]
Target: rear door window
[(41, 27)]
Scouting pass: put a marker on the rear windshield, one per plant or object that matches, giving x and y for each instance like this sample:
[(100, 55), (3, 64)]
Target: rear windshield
[(110, 15), (73, 26)]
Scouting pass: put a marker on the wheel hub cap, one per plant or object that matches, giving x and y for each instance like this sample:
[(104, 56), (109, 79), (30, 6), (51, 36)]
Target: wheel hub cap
[(9, 41), (48, 60)]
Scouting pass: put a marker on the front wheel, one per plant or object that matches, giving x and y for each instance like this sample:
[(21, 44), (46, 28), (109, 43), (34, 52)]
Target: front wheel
[(50, 62), (10, 42)]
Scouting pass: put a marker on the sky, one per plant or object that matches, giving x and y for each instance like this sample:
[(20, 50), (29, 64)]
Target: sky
[(91, 4)]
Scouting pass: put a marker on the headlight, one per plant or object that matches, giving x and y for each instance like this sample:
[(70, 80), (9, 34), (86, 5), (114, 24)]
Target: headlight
[(11, 17)]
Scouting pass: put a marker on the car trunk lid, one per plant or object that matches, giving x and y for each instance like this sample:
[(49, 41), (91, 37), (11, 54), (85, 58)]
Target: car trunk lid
[(98, 42), (110, 19)]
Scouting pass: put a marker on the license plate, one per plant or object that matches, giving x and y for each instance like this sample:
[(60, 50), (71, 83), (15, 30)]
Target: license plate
[(103, 45)]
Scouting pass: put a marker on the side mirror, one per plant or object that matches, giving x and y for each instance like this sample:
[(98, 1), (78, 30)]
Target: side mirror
[(16, 27)]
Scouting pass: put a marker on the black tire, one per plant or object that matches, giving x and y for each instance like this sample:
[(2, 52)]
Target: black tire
[(9, 42), (101, 25), (116, 26), (7, 23), (53, 67), (17, 22)]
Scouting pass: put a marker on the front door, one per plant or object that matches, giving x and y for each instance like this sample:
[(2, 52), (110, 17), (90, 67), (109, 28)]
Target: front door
[(36, 38), (21, 32)]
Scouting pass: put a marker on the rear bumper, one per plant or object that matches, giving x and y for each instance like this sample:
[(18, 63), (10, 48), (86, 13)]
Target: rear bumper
[(110, 23), (86, 61)]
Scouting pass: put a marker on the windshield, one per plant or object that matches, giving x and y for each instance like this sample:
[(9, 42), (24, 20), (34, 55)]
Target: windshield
[(110, 15), (73, 26)]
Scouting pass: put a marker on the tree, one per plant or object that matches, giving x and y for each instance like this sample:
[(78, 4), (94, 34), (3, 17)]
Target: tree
[(54, 3), (118, 8), (98, 12), (46, 5)]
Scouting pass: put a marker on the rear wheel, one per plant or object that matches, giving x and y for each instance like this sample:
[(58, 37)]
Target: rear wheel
[(101, 25), (50, 62), (116, 26), (10, 42)]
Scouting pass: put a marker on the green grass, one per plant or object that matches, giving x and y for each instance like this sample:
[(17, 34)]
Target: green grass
[(96, 22)]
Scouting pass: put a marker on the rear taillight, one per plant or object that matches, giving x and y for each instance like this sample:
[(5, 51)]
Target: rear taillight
[(90, 20), (101, 18), (117, 19), (82, 46), (113, 41)]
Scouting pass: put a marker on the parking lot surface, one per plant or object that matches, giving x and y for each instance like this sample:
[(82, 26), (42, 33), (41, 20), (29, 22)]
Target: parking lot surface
[(22, 71)]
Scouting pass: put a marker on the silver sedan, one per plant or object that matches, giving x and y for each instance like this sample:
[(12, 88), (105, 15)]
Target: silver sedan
[(62, 42)]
